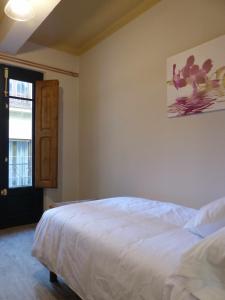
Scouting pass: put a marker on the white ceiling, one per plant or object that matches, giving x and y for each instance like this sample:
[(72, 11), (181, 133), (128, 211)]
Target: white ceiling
[(77, 25), (14, 34)]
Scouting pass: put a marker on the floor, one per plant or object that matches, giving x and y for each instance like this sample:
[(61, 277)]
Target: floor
[(22, 277)]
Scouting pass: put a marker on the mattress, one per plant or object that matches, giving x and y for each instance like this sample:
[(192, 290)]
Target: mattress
[(114, 249)]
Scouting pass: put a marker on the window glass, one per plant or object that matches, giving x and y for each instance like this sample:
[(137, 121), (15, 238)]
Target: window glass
[(20, 89), (20, 143)]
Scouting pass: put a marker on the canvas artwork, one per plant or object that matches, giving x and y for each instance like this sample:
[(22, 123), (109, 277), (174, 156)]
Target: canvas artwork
[(196, 79)]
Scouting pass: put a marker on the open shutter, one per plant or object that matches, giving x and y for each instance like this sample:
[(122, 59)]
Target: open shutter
[(46, 133)]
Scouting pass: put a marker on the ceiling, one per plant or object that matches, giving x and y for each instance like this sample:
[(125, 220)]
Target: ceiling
[(75, 26)]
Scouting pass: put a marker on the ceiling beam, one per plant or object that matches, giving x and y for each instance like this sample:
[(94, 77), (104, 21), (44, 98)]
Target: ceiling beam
[(14, 34)]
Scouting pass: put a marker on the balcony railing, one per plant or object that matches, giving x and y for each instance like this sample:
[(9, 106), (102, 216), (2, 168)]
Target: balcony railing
[(20, 174), (20, 163)]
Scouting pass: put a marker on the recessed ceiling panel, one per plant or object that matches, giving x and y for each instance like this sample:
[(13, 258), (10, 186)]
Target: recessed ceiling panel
[(76, 25)]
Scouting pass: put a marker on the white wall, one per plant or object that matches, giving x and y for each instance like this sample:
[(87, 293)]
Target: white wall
[(128, 146), (68, 119)]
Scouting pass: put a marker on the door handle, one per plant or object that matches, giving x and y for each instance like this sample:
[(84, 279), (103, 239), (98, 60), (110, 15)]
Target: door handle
[(4, 192)]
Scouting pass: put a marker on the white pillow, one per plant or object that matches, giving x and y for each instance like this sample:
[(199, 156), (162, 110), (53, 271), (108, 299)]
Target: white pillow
[(201, 271), (208, 219)]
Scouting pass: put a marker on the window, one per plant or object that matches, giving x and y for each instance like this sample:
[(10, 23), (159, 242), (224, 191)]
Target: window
[(20, 163), (20, 133)]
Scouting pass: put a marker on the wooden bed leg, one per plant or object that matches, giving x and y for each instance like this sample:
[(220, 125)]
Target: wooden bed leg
[(52, 277)]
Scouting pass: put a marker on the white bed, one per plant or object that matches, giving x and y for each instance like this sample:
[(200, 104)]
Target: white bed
[(118, 248)]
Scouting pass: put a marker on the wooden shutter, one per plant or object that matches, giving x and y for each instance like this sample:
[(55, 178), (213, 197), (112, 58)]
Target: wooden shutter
[(46, 133)]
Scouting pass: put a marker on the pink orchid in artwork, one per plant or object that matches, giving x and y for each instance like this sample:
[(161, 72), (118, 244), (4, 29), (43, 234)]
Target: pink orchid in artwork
[(198, 78)]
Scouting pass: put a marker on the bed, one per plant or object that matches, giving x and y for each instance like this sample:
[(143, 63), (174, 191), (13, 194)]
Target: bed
[(125, 248)]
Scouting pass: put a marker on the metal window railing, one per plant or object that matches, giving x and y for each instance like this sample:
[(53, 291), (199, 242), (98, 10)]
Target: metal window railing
[(20, 163), (20, 174)]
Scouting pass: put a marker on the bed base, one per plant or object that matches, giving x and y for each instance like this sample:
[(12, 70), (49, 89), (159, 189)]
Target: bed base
[(52, 277)]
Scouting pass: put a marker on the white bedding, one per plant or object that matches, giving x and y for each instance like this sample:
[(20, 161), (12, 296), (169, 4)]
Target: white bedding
[(201, 271), (115, 249)]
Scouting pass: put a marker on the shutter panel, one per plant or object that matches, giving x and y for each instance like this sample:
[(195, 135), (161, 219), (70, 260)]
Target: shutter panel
[(46, 133)]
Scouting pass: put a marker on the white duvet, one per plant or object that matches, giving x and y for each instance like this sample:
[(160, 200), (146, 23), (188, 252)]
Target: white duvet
[(115, 249)]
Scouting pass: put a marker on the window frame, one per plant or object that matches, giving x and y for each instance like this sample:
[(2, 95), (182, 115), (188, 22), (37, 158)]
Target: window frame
[(31, 76)]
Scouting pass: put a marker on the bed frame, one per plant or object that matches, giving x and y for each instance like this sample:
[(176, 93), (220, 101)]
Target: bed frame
[(52, 277)]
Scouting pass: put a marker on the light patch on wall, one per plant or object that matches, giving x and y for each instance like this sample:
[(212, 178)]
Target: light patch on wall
[(196, 79)]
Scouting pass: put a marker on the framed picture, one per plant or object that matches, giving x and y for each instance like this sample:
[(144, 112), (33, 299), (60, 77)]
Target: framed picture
[(196, 79)]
